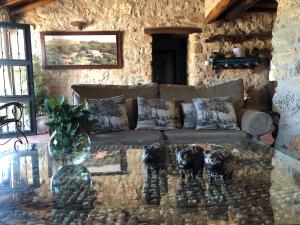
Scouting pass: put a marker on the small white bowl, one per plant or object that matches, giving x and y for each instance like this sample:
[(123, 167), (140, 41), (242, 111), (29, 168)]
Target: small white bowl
[(239, 52)]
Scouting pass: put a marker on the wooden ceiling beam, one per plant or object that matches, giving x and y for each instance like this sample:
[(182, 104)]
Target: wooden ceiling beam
[(218, 10), (12, 3), (241, 8), (29, 6), (232, 9)]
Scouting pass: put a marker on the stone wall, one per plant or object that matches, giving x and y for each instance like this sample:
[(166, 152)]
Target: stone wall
[(132, 16), (210, 4), (286, 57), (253, 23), (285, 189)]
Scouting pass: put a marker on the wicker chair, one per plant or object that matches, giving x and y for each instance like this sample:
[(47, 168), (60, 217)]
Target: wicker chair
[(17, 112)]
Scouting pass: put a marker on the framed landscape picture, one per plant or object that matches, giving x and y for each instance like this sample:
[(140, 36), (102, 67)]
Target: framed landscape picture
[(81, 50)]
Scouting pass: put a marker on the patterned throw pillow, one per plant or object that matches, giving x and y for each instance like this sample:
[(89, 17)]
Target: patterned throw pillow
[(111, 113), (155, 114), (189, 115), (215, 113)]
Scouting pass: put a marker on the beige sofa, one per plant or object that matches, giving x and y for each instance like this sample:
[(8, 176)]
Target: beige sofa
[(181, 94)]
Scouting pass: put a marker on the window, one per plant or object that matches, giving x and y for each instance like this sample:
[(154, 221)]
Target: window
[(16, 76)]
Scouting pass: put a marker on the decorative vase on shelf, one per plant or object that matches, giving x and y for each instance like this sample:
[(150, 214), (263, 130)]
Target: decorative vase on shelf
[(70, 143), (68, 151)]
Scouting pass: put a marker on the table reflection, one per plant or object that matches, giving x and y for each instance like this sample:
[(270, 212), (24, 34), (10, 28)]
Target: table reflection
[(73, 194), (19, 171), (265, 189)]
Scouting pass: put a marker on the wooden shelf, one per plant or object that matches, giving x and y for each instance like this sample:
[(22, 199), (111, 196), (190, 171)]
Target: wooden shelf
[(235, 63), (234, 39)]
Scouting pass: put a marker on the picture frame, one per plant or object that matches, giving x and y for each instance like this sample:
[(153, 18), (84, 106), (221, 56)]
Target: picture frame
[(81, 49)]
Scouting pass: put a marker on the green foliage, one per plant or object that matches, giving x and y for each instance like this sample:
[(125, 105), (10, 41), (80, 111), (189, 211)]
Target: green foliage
[(68, 120), (71, 124), (40, 90)]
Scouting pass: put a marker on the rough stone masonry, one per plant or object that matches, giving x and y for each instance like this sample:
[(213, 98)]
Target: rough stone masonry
[(286, 57), (131, 17)]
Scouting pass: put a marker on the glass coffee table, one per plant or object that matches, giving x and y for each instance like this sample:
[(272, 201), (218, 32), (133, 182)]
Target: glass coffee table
[(114, 187)]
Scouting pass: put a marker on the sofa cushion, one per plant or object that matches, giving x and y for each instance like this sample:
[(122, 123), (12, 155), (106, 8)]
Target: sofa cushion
[(97, 91), (156, 114), (257, 123), (111, 113), (189, 115), (184, 136), (179, 93), (215, 113), (234, 89), (131, 107), (183, 93), (130, 137)]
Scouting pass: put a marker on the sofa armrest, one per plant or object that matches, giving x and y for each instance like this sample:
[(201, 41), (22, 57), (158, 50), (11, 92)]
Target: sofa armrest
[(256, 123)]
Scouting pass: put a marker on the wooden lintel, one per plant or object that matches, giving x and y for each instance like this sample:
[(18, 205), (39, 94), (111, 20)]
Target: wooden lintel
[(234, 39), (241, 8), (172, 30), (29, 6), (218, 10)]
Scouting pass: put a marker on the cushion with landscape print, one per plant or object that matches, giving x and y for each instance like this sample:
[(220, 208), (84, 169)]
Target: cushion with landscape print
[(155, 114), (189, 115), (215, 113), (110, 112)]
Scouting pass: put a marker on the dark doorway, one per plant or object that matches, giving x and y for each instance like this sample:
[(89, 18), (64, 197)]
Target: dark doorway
[(169, 59)]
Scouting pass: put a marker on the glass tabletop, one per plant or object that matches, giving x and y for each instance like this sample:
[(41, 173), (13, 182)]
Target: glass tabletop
[(115, 186)]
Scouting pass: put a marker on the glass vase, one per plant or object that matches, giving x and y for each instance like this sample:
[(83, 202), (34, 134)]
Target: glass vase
[(69, 151), (73, 194)]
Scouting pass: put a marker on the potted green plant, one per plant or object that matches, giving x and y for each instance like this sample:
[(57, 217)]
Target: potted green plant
[(41, 94), (70, 143)]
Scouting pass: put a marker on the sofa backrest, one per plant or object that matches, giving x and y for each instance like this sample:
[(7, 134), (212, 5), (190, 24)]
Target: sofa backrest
[(180, 93), (97, 91), (234, 89)]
